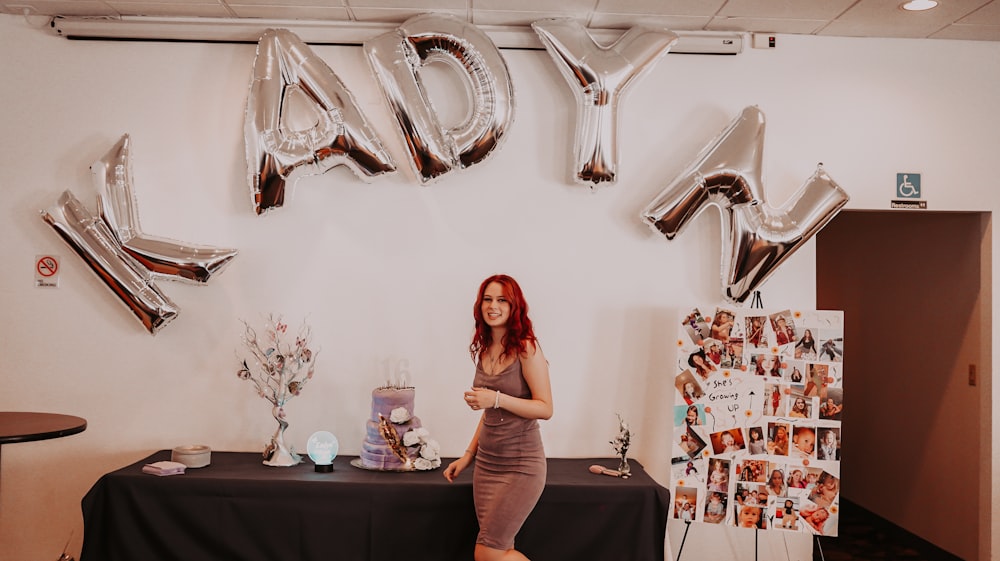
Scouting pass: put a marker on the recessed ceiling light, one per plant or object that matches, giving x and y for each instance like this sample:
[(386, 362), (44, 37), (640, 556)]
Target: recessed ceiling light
[(919, 5)]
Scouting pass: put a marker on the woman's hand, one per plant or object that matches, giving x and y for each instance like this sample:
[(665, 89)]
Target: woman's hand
[(480, 398), (457, 467)]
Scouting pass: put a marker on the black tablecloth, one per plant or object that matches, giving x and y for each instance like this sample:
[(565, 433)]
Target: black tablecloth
[(238, 509)]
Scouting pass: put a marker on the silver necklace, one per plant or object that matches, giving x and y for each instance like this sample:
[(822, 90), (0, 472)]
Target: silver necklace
[(493, 358)]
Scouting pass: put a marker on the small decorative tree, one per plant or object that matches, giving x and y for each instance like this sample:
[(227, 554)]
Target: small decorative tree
[(279, 370)]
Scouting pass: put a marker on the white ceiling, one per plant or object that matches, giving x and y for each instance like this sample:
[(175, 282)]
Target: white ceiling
[(952, 19)]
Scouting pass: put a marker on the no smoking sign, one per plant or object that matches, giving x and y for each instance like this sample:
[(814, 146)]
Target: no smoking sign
[(47, 270)]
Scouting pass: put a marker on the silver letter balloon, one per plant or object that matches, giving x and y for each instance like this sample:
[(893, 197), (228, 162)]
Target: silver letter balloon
[(301, 120), (91, 239), (165, 258), (397, 57), (599, 77), (115, 248), (727, 174)]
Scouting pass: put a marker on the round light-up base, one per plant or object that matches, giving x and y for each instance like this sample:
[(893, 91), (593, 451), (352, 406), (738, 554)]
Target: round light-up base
[(323, 447)]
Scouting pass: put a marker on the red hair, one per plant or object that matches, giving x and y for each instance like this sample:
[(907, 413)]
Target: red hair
[(519, 330)]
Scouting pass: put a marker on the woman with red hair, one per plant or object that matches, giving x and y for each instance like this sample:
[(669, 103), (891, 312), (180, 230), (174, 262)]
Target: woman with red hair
[(511, 387)]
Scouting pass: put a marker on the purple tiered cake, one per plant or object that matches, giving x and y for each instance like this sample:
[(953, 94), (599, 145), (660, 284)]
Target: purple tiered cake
[(375, 452)]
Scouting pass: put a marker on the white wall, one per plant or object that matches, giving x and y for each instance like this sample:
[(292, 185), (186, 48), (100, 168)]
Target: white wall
[(388, 270)]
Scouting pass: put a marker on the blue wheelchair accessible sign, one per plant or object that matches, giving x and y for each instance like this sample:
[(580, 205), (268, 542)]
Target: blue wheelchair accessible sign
[(908, 185)]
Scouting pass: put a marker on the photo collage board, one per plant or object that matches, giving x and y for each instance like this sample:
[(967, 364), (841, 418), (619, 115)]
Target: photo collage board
[(758, 401)]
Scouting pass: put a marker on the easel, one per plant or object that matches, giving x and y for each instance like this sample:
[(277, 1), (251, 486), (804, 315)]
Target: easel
[(756, 533), (819, 547), (680, 550)]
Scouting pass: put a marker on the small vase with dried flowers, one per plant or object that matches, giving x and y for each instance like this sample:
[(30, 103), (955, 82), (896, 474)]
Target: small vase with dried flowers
[(620, 444)]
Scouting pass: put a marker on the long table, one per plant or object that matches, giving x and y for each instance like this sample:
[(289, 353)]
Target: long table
[(237, 509)]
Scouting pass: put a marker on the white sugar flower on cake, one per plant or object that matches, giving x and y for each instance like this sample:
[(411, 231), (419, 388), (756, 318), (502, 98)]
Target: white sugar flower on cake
[(431, 450), (399, 415), (411, 438)]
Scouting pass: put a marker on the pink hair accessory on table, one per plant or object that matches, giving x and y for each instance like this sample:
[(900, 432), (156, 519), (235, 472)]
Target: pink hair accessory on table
[(605, 471)]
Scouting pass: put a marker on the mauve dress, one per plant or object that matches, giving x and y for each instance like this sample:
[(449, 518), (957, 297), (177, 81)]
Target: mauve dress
[(510, 464)]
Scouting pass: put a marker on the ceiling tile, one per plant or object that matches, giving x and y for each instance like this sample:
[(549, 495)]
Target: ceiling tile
[(790, 9), (572, 6), (181, 5), (625, 21), (888, 13), (969, 32), (701, 8), (399, 15), (420, 5), (765, 25), (282, 4), (987, 15), (207, 9), (505, 17), (336, 13)]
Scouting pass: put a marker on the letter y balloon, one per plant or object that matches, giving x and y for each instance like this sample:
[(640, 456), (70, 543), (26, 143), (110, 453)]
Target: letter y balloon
[(599, 77)]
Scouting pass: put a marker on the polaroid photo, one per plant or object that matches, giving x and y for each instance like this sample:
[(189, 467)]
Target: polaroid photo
[(688, 387), (806, 348), (756, 334), (715, 507), (685, 503), (828, 444), (799, 406), (777, 482), (689, 415), (783, 326), (826, 490), (695, 325), (751, 471), (795, 372), (722, 324), (701, 365), (804, 441), (756, 444), (732, 355), (831, 345), (774, 402), (717, 480), (728, 441), (683, 468), (690, 442), (778, 438), (749, 516), (767, 365), (832, 406), (785, 514)]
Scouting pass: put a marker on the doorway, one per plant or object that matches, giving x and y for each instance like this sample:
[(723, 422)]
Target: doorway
[(915, 288)]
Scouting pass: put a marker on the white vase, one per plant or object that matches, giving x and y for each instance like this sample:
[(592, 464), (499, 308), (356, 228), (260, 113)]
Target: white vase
[(277, 453)]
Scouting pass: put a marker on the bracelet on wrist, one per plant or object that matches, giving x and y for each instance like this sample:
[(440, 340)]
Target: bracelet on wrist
[(496, 404)]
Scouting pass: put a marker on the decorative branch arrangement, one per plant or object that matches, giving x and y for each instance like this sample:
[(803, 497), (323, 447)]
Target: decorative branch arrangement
[(279, 370)]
